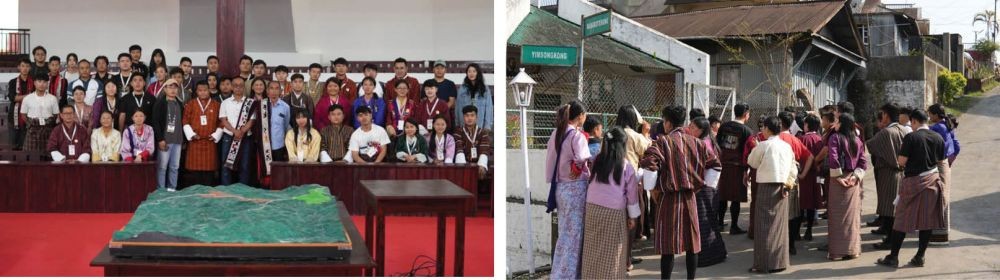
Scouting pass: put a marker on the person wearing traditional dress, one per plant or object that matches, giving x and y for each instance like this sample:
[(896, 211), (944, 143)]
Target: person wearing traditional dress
[(281, 78), (348, 87), (106, 103), (369, 99), (680, 162), (82, 111), (168, 117), (635, 145), (920, 204), (39, 110), (751, 143), (57, 84), (203, 131), (270, 131), (314, 87), (611, 210), (302, 142), (847, 162), (430, 107), (69, 141), (567, 172), (810, 195), (774, 163), (945, 126), (137, 140), (411, 147), (713, 248), (298, 99), (369, 142), (441, 144), (17, 89), (473, 144), (884, 148), (155, 89), (400, 108), (336, 137), (238, 116), (732, 139), (803, 160), (332, 96), (401, 69), (106, 141)]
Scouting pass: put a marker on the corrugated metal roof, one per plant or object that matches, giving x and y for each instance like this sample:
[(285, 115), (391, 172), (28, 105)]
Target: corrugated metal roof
[(543, 28), (804, 17)]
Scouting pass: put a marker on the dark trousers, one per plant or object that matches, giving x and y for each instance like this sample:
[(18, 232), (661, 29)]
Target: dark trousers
[(279, 155), (205, 178), (18, 135), (242, 165)]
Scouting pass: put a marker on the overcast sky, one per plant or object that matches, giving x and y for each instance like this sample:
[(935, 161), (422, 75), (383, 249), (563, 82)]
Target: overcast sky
[(952, 16)]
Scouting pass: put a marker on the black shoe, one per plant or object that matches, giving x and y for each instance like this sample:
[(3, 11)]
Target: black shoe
[(824, 248), (809, 235), (918, 262), (736, 230), (876, 223), (882, 246), (889, 261), (824, 216), (636, 260), (776, 270), (880, 231), (847, 258)]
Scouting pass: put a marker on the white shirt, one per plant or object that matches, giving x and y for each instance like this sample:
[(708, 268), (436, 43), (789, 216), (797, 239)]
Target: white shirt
[(105, 147), (362, 141), (91, 86), (40, 107), (230, 109), (774, 161)]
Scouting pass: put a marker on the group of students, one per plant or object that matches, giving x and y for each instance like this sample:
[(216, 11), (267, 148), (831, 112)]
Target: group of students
[(230, 129), (797, 163)]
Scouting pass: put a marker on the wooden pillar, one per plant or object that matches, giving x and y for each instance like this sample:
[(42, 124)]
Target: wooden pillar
[(229, 30)]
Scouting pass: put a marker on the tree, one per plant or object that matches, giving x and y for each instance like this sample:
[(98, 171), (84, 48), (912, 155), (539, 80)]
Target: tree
[(990, 19), (771, 54)]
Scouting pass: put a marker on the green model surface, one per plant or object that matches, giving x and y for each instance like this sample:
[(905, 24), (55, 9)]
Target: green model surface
[(238, 214)]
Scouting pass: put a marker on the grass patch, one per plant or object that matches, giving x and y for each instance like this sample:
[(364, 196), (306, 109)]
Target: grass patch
[(962, 104)]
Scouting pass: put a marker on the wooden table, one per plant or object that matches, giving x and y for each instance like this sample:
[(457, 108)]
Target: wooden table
[(440, 197), (359, 262), (43, 187), (344, 180)]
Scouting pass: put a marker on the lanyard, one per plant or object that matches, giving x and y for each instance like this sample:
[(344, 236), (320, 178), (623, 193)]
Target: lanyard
[(79, 113), (68, 137), (333, 102), (410, 147), (138, 101), (108, 103), (440, 143), (123, 80), (159, 88), (473, 139), (203, 106), (399, 109), (431, 108), (302, 101)]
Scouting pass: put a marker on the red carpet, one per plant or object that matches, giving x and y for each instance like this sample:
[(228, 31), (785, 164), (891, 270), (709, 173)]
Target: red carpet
[(64, 244)]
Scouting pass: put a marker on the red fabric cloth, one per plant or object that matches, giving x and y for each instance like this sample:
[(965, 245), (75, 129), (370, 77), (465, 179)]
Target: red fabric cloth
[(413, 93)]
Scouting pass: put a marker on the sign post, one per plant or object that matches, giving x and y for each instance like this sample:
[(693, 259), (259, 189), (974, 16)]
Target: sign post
[(548, 55), (595, 24)]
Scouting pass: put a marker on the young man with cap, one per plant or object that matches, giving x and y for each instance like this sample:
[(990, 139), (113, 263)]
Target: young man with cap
[(400, 68), (446, 89), (348, 87)]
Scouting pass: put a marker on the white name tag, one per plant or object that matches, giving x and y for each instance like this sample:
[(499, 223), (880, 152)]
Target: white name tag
[(204, 120), (430, 124), (302, 156), (820, 179), (474, 154), (41, 121), (399, 125), (72, 150), (104, 157), (440, 155), (170, 128)]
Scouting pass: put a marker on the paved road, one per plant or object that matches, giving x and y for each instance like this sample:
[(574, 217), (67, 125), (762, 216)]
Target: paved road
[(974, 252)]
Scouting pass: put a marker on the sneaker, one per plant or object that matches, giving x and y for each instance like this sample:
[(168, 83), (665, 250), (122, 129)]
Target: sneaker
[(171, 189)]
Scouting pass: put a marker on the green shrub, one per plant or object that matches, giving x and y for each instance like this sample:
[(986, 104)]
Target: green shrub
[(950, 85)]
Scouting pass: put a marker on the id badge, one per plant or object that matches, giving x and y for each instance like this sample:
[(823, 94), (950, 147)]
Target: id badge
[(820, 179), (474, 154), (399, 125), (72, 150), (440, 155), (430, 124), (104, 157), (204, 120), (370, 151), (41, 122), (170, 128), (302, 155)]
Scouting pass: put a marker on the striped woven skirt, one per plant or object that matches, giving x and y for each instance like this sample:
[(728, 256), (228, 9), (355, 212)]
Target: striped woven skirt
[(605, 236), (886, 187), (37, 137), (770, 245), (713, 248), (941, 235), (921, 204), (844, 233)]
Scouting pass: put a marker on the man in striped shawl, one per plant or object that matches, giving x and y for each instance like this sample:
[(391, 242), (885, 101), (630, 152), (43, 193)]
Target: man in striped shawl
[(920, 203), (884, 148), (680, 161)]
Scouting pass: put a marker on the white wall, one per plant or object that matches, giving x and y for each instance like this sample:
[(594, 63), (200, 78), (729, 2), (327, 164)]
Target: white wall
[(324, 30)]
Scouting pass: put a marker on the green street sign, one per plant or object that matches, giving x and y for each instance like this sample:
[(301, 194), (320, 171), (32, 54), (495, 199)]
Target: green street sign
[(598, 23), (548, 55)]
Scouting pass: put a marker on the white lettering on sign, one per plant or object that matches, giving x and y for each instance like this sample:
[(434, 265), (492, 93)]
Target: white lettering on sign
[(595, 24), (549, 55)]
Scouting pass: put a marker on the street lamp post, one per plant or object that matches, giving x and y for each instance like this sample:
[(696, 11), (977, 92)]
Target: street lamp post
[(522, 85)]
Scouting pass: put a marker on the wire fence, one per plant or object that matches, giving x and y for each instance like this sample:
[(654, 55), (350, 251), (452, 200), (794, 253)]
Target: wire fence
[(603, 94)]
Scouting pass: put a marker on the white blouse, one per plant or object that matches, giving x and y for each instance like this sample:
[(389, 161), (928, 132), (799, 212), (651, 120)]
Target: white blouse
[(105, 149)]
